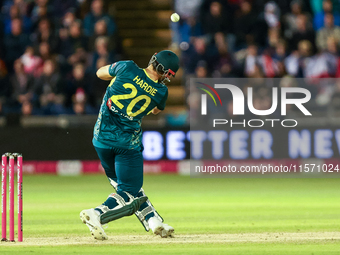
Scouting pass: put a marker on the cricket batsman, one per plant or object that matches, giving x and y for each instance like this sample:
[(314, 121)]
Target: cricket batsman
[(133, 92)]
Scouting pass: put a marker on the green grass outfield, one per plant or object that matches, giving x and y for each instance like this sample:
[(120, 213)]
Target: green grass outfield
[(210, 216)]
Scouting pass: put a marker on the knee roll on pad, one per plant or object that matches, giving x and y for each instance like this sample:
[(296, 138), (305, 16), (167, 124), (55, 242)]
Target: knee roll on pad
[(123, 208)]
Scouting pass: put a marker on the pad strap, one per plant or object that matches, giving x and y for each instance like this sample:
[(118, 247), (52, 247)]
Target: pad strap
[(103, 208), (123, 208), (141, 214)]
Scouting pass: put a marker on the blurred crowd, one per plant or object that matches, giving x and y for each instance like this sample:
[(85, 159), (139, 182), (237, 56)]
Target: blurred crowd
[(49, 53), (261, 39), (50, 50)]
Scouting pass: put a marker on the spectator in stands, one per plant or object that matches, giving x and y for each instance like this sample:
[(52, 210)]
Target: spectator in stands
[(251, 60), (27, 109), (41, 10), (272, 14), (328, 31), (66, 22), (262, 24), (15, 14), (289, 20), (316, 6), (244, 25), (22, 5), (267, 66), (76, 45), (225, 63), (201, 70), (97, 13), (45, 51), (31, 63), (77, 39), (199, 50), (306, 62), (257, 72), (100, 29), (22, 84), (49, 91), (80, 55), (68, 18), (73, 40), (78, 80), (302, 33), (280, 69), (225, 70), (62, 7), (63, 32), (332, 46), (216, 20), (325, 63), (15, 43), (283, 5), (280, 50), (279, 58), (220, 43), (274, 36), (291, 63), (78, 102), (261, 51), (319, 18), (102, 51), (45, 33)]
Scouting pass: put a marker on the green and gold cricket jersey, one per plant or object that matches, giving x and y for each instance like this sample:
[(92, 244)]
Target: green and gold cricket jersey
[(130, 96)]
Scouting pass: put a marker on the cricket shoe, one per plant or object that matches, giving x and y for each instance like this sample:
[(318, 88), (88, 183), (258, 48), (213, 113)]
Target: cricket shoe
[(91, 219), (159, 228)]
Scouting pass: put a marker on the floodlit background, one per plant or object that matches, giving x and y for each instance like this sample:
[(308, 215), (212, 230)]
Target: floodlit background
[(50, 98), (50, 51)]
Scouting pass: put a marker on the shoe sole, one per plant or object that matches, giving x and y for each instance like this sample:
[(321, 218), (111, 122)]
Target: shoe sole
[(162, 232), (96, 231), (167, 233), (158, 231)]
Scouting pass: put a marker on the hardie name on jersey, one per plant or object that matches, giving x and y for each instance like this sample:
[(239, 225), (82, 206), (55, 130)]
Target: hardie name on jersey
[(148, 89)]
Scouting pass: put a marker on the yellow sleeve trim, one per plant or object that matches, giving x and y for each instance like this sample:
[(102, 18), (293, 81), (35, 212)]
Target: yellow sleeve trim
[(112, 81)]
